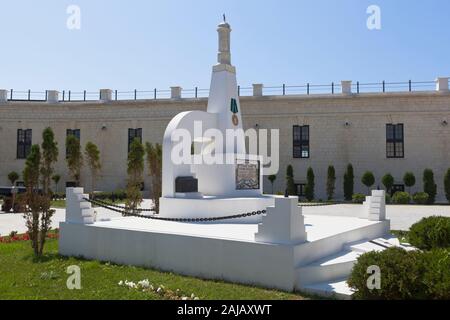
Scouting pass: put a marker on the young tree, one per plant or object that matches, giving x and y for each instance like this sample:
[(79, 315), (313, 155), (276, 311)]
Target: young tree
[(410, 180), (154, 162), (74, 158), (13, 177), (272, 179), (348, 183), (429, 186), (56, 178), (388, 182), (368, 180), (331, 182), (135, 175), (38, 214), (49, 157), (447, 184), (290, 185), (92, 155), (309, 189)]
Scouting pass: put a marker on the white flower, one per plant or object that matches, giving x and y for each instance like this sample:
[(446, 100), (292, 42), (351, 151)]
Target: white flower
[(184, 298), (144, 283), (196, 298), (192, 296), (120, 283)]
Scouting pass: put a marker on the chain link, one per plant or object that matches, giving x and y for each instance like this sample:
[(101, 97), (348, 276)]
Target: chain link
[(128, 214)]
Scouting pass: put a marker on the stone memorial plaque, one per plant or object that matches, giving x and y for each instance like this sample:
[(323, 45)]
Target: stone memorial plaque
[(247, 175)]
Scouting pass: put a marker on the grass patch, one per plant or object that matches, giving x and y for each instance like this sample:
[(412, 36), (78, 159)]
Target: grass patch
[(401, 235), (62, 203), (25, 277)]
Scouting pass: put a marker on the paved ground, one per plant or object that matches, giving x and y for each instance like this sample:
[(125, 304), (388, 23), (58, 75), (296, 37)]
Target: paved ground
[(402, 217)]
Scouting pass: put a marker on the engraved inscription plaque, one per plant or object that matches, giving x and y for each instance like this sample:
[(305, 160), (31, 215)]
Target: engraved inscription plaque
[(247, 175)]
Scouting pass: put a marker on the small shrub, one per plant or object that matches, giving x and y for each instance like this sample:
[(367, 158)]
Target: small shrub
[(400, 275), (348, 183), (12, 234), (437, 273), (387, 181), (358, 198), (430, 233), (409, 180), (401, 198), (447, 185), (388, 198), (429, 186), (290, 184), (309, 189), (368, 179), (420, 198)]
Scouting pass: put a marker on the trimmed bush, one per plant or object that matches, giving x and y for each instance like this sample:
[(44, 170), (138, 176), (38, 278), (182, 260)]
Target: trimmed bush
[(437, 273), (331, 180), (400, 275), (290, 185), (447, 185), (358, 198), (387, 181), (430, 233), (404, 275), (388, 198), (409, 179), (429, 186), (348, 183), (420, 198), (401, 198), (368, 179), (309, 189)]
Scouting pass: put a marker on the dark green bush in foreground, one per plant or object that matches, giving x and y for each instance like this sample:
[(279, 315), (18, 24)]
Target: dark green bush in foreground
[(404, 275), (400, 275), (430, 233)]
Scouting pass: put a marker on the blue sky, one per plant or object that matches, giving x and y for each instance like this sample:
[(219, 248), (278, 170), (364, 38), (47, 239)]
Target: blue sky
[(146, 44)]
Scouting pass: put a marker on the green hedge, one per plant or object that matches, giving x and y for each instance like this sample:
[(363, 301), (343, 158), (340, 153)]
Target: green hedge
[(358, 198), (420, 198), (404, 275), (430, 233), (400, 275), (401, 198)]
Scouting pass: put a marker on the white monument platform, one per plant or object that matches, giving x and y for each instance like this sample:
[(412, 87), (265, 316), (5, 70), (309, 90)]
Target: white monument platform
[(278, 248), (286, 250)]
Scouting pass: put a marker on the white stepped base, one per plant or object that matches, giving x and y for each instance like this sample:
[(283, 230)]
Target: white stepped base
[(332, 267), (337, 289)]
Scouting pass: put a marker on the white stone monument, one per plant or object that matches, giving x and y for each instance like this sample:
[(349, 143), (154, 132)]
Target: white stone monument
[(198, 188), (281, 248)]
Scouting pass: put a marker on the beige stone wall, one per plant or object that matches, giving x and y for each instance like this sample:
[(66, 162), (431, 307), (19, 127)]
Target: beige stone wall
[(362, 143)]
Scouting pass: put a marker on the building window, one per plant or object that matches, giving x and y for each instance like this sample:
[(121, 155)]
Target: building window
[(395, 141), (73, 132), (71, 184), (301, 141), (397, 188), (132, 134), (300, 189), (23, 143)]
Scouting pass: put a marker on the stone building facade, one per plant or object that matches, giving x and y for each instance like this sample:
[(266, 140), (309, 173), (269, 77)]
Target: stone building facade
[(380, 132)]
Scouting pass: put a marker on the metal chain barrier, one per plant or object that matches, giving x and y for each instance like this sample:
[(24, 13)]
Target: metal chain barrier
[(118, 207), (152, 217)]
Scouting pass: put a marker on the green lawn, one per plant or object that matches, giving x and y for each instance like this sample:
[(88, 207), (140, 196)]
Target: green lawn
[(24, 277)]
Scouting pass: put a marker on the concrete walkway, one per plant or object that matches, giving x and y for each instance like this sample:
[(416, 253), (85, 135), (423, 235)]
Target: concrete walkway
[(402, 217)]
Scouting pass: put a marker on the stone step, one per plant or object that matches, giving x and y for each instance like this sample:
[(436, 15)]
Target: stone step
[(87, 212), (332, 267), (337, 288), (85, 205)]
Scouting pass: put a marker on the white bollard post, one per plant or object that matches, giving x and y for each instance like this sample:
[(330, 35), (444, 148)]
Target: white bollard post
[(374, 208), (3, 96), (52, 96), (175, 92), (258, 89), (105, 95), (346, 87), (78, 210), (282, 223), (442, 85)]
